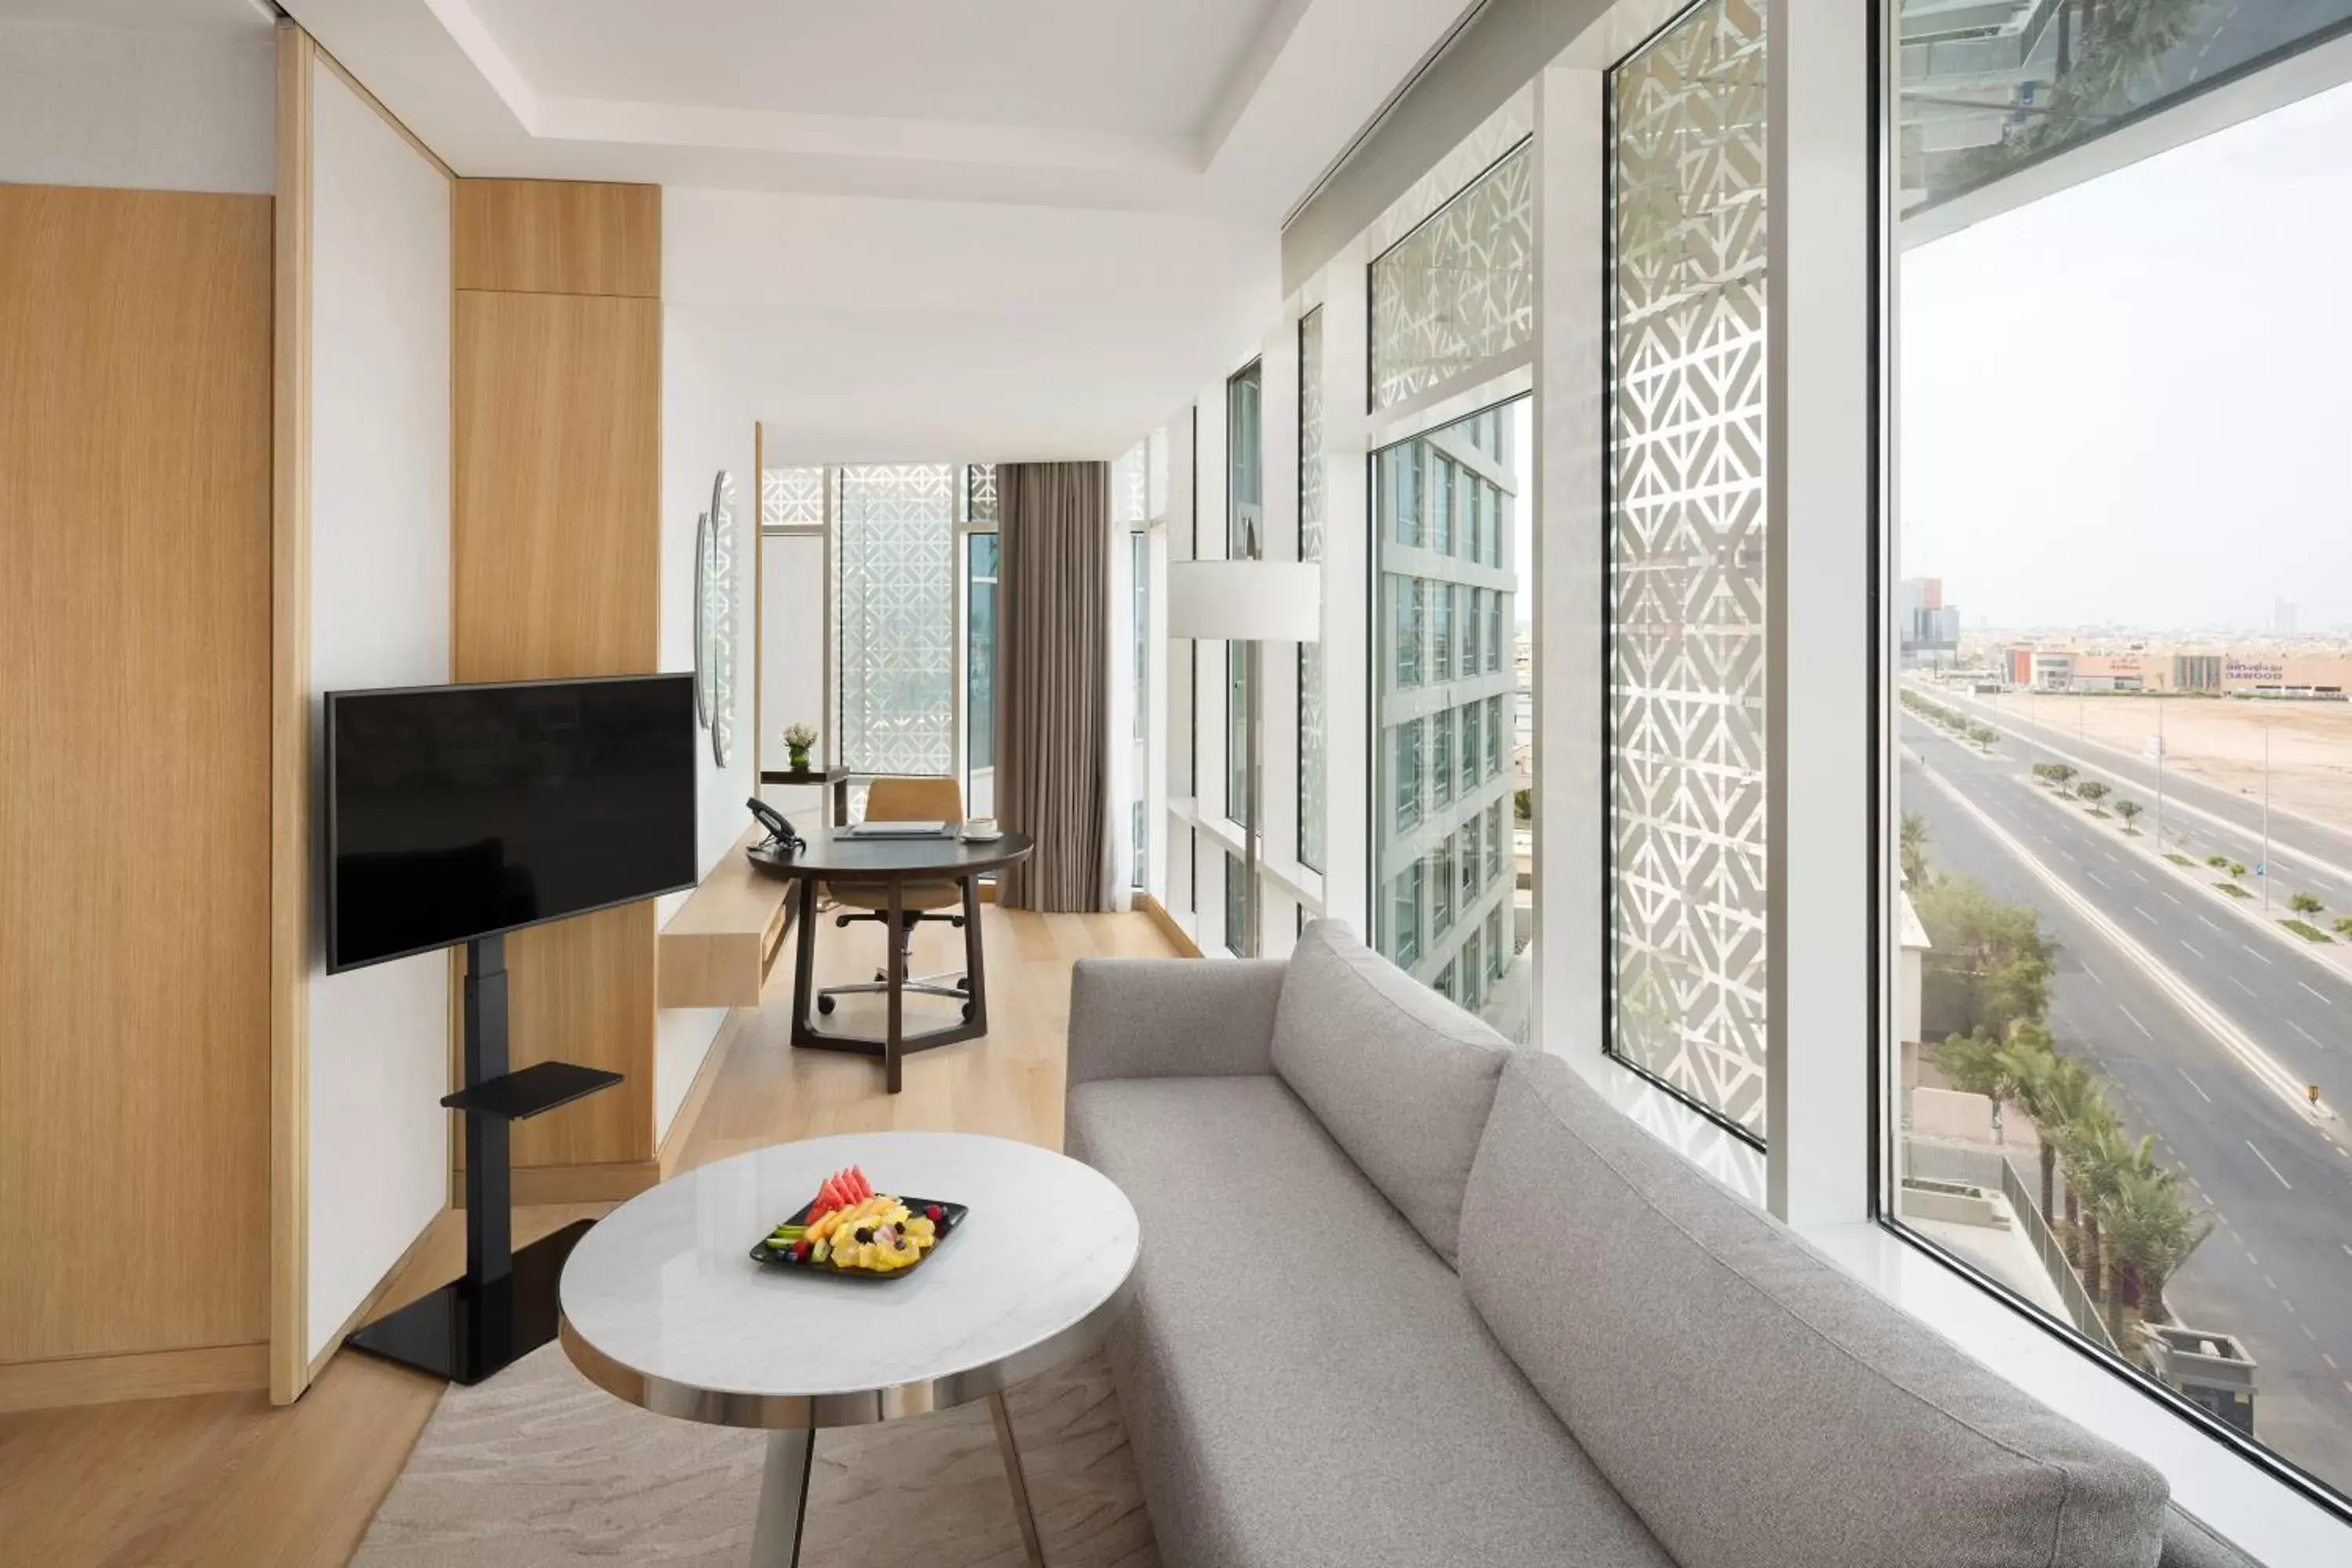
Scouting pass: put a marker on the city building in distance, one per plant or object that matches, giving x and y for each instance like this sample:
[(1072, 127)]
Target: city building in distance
[(1928, 629), (2302, 669)]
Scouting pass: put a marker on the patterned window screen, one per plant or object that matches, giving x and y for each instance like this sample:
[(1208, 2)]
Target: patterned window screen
[(1310, 548), (1687, 882), (896, 609), (791, 497), (1459, 289)]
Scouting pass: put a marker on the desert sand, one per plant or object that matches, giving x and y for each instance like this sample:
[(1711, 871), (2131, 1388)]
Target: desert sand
[(2219, 740)]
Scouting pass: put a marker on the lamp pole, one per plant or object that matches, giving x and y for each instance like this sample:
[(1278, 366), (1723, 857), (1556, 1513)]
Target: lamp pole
[(2266, 819)]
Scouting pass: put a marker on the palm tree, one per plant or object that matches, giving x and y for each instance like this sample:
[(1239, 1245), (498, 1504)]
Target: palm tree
[(2154, 1232), (2058, 1092), (2099, 1155)]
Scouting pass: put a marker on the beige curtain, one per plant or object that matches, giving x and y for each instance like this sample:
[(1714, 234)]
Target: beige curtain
[(1053, 680)]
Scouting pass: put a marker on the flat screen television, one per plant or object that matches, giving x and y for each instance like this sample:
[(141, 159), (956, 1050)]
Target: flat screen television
[(457, 812)]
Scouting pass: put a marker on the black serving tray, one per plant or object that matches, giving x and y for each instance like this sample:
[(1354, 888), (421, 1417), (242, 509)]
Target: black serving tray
[(951, 1218)]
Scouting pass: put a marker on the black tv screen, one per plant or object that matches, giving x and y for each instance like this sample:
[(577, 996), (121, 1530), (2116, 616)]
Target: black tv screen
[(455, 811)]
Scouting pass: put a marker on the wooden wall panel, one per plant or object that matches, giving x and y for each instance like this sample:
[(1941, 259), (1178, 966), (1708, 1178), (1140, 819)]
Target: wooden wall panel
[(556, 552), (134, 770), (556, 569), (558, 236)]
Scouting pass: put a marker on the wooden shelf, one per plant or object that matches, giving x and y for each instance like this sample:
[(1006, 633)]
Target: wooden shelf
[(716, 951)]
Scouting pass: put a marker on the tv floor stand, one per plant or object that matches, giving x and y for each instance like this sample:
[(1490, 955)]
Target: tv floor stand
[(504, 1307)]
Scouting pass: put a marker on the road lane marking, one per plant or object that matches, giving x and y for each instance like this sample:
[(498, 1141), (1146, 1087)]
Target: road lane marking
[(2127, 1013), (2266, 1069), (2093, 877), (2209, 923), (2193, 1084), (2307, 986), (2306, 1033), (2193, 952), (2306, 1330), (2244, 987), (2143, 914), (2095, 977), (2274, 1170), (2271, 1283), (2251, 952)]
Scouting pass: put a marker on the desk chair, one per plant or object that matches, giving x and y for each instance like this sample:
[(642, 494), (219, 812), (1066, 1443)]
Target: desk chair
[(905, 800)]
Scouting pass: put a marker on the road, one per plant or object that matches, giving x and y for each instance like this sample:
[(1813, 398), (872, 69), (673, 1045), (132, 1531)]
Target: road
[(2277, 1272), (2304, 855)]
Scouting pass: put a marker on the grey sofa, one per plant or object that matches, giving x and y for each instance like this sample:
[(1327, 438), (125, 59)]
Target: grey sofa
[(1409, 1296)]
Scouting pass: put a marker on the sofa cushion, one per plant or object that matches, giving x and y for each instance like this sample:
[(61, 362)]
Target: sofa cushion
[(1756, 1406), (1302, 1379), (1399, 1075)]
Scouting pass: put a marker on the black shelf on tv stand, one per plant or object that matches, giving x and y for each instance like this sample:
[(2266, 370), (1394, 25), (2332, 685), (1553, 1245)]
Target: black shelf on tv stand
[(505, 1305)]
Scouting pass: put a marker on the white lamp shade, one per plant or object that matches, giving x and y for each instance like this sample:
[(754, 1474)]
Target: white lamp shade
[(1246, 601)]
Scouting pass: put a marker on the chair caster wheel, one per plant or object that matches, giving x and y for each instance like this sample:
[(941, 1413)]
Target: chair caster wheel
[(963, 983), (824, 1006), (881, 977), (967, 1012)]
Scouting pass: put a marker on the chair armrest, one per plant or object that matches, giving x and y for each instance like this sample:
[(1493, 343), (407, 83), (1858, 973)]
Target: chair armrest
[(1172, 1018)]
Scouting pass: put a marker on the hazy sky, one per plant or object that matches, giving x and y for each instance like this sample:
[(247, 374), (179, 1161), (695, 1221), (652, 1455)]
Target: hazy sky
[(2131, 402)]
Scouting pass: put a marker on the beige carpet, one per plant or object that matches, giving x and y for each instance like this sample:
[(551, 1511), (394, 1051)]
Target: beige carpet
[(539, 1468)]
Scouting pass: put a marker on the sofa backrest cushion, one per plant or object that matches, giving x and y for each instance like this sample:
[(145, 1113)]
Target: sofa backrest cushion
[(1401, 1077), (1758, 1407)]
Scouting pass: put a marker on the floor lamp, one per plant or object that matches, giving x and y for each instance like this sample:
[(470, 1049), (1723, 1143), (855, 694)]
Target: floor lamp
[(1254, 603)]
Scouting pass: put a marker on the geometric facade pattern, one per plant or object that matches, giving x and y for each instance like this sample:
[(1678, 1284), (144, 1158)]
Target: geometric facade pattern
[(1460, 289), (980, 492), (896, 609), (791, 497), (1310, 548), (1686, 536)]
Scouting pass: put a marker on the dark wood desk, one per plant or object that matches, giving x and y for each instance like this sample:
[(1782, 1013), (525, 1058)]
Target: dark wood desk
[(893, 862), (814, 778)]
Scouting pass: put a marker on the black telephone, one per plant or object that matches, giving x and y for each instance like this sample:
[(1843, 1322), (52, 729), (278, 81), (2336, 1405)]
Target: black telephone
[(781, 836)]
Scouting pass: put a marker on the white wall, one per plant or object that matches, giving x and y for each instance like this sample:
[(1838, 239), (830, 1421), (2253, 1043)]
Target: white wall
[(379, 1037), (791, 682), (183, 109), (705, 426)]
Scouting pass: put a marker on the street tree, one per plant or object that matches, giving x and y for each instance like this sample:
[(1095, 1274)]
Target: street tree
[(1913, 837), (2128, 810), (2154, 1231), (2237, 869), (2092, 791), (2305, 904), (2063, 775), (2219, 862), (1987, 965)]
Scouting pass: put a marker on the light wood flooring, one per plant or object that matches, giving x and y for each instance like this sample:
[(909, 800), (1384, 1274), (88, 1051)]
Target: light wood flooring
[(225, 1480)]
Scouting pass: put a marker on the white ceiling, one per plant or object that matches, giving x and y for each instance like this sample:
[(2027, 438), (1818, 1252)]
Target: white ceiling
[(247, 17), (1226, 105), (1142, 67), (918, 229)]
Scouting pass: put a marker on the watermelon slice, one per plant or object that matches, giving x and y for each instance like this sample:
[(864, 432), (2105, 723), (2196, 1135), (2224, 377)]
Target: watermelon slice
[(862, 1188)]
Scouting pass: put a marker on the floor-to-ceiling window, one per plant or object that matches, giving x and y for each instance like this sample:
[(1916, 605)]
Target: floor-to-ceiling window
[(1444, 784), (1244, 538), (1686, 219), (895, 609), (1311, 764), (2120, 635)]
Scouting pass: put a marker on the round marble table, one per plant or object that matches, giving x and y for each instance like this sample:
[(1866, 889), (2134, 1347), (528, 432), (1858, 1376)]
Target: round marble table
[(662, 1306)]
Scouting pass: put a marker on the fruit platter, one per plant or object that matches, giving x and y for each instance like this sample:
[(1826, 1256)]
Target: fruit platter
[(849, 1228)]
